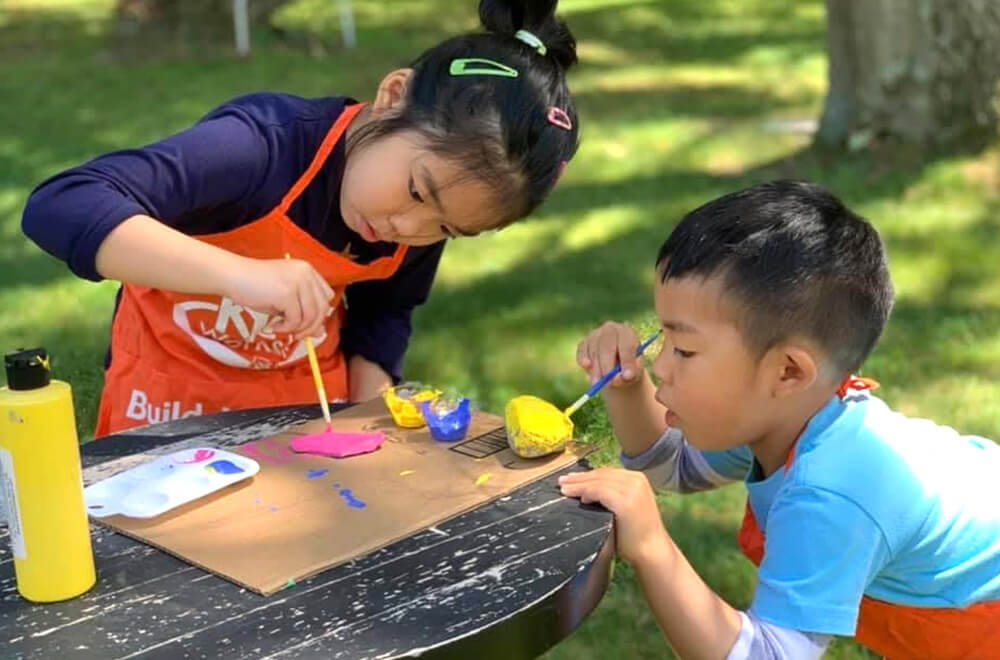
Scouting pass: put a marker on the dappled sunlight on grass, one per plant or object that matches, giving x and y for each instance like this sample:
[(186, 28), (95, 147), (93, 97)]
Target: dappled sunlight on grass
[(678, 102)]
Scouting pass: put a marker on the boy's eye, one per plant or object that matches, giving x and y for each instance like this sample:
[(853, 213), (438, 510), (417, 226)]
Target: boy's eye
[(414, 193), (683, 354)]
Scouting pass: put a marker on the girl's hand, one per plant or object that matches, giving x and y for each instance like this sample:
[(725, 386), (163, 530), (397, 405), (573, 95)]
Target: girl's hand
[(602, 349), (289, 288), (627, 494)]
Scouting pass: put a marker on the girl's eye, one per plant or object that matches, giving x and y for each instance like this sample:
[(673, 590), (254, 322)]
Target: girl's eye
[(683, 354), (414, 193)]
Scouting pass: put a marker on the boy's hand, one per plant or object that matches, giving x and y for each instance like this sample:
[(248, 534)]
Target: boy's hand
[(627, 494), (290, 288), (602, 349)]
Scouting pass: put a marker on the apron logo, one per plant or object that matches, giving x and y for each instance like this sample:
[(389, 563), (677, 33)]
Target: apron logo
[(141, 410), (237, 336)]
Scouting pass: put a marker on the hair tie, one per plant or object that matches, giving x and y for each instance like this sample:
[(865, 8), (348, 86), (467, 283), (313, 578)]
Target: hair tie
[(532, 40)]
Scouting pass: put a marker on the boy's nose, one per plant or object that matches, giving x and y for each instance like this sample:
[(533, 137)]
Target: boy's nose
[(660, 367)]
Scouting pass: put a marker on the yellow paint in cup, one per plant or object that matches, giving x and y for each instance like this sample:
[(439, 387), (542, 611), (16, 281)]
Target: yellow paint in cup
[(402, 403)]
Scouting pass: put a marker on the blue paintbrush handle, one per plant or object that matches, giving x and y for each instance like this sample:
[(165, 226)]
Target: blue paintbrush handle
[(608, 377)]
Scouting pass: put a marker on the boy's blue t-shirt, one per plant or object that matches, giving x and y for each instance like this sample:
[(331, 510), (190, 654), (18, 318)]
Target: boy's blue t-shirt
[(877, 504)]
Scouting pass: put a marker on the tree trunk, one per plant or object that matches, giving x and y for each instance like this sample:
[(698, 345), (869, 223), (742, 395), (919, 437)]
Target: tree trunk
[(924, 72)]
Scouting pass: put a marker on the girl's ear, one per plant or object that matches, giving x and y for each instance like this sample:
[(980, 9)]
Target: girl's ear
[(391, 94)]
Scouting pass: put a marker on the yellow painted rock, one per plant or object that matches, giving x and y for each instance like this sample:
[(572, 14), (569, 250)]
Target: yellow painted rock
[(402, 403), (535, 427)]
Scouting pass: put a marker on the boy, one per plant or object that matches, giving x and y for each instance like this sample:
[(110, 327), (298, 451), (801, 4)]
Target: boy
[(876, 526)]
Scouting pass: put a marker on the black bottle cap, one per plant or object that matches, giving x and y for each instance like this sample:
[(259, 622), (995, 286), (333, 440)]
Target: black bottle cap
[(27, 369)]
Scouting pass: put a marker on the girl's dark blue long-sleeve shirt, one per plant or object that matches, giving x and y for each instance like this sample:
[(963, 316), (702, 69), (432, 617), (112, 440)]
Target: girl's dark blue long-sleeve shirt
[(231, 168)]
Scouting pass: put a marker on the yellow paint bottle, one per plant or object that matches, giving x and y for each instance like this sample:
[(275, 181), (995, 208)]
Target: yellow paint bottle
[(42, 483)]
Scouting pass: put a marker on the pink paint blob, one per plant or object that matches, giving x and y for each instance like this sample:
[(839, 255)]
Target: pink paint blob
[(199, 456), (337, 444)]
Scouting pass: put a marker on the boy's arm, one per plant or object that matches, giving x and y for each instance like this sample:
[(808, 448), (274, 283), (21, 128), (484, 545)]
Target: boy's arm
[(697, 622)]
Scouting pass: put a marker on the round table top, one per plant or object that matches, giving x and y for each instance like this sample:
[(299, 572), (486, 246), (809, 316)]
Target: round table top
[(542, 563)]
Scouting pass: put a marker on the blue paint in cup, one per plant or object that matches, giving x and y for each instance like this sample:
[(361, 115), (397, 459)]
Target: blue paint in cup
[(448, 419)]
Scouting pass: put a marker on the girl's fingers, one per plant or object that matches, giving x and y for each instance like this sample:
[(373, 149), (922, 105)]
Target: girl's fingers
[(291, 315), (317, 313), (323, 289), (327, 290)]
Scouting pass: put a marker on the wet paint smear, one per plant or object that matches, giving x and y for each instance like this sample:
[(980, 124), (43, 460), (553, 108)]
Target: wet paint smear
[(224, 467), (316, 473), (199, 456), (352, 501)]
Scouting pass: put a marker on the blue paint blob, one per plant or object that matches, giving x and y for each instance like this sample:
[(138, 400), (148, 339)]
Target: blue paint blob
[(272, 509), (224, 467), (352, 501), (316, 473)]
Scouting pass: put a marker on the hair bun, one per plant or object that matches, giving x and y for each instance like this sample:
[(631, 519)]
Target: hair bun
[(506, 17)]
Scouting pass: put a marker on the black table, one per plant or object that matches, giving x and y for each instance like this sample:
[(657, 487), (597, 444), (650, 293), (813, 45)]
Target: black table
[(507, 580)]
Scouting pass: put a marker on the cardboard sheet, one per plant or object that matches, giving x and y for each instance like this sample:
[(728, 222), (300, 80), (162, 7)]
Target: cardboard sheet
[(302, 514)]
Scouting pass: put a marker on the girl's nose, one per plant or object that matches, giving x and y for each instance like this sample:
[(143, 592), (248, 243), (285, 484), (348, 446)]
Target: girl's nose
[(411, 224)]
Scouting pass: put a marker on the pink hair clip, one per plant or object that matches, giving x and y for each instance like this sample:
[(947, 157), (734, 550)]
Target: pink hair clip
[(558, 117)]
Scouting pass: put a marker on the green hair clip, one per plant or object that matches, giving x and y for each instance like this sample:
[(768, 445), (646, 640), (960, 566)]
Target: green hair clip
[(478, 66)]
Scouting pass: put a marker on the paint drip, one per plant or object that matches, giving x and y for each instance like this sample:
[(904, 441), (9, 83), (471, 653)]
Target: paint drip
[(351, 500), (316, 473)]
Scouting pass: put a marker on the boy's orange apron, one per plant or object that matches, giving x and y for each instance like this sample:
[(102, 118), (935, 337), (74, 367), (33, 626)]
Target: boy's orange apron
[(901, 632), (180, 355)]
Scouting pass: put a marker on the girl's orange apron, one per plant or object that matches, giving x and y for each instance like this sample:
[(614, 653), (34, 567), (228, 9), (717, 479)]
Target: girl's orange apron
[(901, 632), (180, 355)]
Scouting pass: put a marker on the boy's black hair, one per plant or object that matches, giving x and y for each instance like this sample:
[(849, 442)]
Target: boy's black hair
[(795, 261), (496, 128)]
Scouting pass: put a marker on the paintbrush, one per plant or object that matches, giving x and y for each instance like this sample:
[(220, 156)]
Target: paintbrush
[(607, 378), (317, 376)]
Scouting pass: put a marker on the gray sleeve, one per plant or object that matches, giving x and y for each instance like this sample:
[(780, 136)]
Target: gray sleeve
[(672, 463), (760, 640)]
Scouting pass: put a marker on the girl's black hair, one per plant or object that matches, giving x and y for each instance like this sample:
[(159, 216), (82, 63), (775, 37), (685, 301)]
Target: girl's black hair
[(496, 128), (797, 263)]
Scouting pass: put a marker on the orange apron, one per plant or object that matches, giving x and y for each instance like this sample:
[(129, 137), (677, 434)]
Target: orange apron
[(179, 355), (902, 632)]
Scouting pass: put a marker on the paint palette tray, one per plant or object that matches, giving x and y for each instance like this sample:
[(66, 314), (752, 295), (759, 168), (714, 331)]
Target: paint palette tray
[(162, 484)]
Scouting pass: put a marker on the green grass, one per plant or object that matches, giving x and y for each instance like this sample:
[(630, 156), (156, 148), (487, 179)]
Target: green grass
[(674, 98)]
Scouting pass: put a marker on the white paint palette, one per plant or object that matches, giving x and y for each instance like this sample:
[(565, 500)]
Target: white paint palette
[(162, 484)]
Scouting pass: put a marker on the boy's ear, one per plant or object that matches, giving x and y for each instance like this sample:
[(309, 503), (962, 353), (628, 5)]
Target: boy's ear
[(792, 368), (391, 94)]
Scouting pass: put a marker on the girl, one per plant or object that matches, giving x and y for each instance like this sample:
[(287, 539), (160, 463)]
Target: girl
[(359, 197)]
